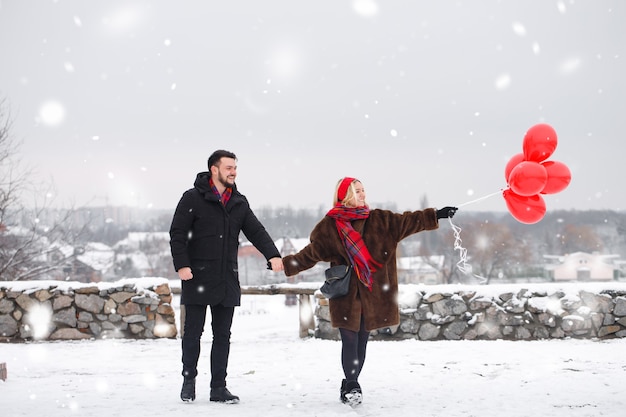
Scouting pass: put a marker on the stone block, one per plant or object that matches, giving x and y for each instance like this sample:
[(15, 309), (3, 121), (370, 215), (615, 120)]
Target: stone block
[(428, 331), (607, 330), (8, 325), (25, 301), (85, 316), (6, 306), (449, 307), (163, 289), (61, 301), (89, 302), (69, 334), (65, 317), (92, 289), (120, 297), (164, 329), (42, 295), (109, 306), (454, 330), (135, 318), (128, 309), (165, 309), (620, 307)]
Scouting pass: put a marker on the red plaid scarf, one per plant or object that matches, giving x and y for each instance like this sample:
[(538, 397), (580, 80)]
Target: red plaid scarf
[(364, 264), (223, 197)]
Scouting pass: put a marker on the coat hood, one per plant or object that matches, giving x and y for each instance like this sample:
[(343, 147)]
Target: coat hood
[(202, 182)]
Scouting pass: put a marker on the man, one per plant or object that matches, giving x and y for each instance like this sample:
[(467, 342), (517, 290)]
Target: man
[(204, 241)]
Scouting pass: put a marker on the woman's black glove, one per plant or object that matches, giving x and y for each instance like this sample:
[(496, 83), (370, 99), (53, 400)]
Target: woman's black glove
[(446, 212)]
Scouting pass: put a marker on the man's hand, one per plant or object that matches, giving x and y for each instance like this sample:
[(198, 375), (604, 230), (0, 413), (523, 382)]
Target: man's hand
[(276, 264), (185, 273)]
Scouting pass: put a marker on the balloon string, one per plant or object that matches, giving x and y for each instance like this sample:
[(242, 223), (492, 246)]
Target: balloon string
[(462, 264), (482, 198)]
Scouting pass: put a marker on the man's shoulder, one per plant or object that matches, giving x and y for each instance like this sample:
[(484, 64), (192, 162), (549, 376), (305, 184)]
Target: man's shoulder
[(193, 196), (239, 197), (192, 192)]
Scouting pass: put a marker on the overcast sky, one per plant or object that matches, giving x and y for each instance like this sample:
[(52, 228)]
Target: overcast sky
[(121, 102)]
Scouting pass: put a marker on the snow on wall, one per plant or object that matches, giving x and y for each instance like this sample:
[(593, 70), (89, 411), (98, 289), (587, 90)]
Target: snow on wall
[(57, 310), (141, 308), (507, 311)]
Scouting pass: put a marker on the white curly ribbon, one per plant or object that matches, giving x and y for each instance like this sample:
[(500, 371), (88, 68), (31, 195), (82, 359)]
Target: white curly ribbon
[(462, 264)]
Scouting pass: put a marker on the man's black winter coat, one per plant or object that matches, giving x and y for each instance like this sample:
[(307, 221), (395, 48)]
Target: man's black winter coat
[(205, 236)]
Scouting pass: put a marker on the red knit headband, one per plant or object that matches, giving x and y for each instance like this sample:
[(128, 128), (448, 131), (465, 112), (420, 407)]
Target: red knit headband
[(343, 188)]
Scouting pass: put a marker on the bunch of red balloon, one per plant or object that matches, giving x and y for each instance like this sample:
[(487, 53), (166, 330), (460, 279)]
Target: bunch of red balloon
[(529, 175)]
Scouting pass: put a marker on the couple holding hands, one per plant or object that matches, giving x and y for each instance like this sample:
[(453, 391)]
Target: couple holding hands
[(204, 243)]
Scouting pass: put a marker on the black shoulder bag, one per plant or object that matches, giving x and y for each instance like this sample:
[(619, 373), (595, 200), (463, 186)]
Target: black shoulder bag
[(337, 281)]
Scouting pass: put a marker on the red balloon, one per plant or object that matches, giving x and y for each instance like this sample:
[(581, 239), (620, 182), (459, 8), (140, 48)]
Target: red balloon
[(515, 159), (559, 177), (539, 143), (528, 210), (528, 178)]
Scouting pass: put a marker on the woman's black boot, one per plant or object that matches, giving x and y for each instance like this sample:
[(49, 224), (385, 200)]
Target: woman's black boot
[(351, 393)]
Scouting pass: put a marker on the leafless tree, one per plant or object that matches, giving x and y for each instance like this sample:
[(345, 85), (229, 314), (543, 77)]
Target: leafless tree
[(12, 178), (34, 241)]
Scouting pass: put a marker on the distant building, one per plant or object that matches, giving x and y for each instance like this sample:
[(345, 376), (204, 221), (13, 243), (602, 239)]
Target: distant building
[(144, 254), (581, 266), (289, 246), (90, 263), (140, 241), (420, 269)]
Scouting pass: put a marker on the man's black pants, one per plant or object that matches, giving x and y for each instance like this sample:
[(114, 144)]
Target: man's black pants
[(221, 321)]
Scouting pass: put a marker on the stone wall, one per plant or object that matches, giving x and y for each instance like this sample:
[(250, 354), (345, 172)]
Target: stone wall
[(514, 312), (55, 310)]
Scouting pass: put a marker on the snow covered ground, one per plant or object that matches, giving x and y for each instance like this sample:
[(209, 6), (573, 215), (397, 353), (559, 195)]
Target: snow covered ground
[(278, 374)]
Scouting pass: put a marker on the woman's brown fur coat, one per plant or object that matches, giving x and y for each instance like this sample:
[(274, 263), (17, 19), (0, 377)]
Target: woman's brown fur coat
[(381, 232)]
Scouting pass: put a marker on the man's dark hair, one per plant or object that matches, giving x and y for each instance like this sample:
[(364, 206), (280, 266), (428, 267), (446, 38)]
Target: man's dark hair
[(215, 157)]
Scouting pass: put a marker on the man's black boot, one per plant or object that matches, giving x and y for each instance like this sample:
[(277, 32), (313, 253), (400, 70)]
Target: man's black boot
[(188, 392), (222, 395)]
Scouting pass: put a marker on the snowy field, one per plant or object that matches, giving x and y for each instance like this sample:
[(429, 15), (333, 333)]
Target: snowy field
[(278, 374)]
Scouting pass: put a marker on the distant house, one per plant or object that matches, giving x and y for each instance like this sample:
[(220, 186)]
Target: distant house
[(581, 266), (144, 241), (253, 268), (420, 269), (144, 254), (290, 246), (76, 270), (90, 263)]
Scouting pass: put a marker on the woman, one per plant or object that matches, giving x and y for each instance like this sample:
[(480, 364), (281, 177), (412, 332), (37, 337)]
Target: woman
[(351, 233)]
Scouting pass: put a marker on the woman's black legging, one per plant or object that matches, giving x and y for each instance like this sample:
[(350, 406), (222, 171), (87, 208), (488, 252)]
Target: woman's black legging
[(353, 346)]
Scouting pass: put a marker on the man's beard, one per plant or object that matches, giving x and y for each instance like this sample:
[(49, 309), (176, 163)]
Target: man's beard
[(224, 181)]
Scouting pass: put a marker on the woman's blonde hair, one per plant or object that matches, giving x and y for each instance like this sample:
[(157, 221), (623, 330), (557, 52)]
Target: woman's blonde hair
[(350, 192)]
